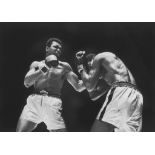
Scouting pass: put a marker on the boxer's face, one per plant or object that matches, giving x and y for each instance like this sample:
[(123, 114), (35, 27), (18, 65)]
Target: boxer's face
[(90, 63), (55, 49)]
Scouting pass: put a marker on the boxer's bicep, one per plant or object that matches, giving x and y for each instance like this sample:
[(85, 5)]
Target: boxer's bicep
[(34, 65), (33, 68), (73, 79)]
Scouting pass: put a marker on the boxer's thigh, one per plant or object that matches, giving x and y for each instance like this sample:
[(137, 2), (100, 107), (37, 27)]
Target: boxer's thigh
[(52, 113), (59, 130), (30, 115), (101, 126)]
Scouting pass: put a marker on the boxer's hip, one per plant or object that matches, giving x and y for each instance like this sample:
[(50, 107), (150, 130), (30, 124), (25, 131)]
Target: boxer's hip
[(47, 93), (122, 106)]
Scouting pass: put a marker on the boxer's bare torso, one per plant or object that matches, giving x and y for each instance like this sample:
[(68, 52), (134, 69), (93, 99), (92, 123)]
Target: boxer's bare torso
[(53, 80)]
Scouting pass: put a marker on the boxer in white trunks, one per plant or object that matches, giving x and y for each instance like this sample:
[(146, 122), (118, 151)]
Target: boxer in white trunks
[(47, 77), (122, 108)]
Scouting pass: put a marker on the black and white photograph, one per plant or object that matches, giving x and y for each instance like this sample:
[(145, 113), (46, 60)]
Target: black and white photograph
[(77, 77)]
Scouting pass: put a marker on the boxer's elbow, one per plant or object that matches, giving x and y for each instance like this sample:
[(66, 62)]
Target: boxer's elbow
[(27, 85), (89, 86), (27, 82), (80, 86), (80, 89)]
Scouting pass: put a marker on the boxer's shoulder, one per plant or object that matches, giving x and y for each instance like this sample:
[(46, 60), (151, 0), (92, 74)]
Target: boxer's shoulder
[(65, 65), (36, 63), (105, 55)]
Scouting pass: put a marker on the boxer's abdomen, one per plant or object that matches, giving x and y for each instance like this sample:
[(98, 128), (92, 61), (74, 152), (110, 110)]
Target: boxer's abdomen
[(52, 82)]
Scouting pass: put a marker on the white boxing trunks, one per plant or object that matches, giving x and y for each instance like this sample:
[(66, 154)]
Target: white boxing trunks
[(43, 108), (123, 108)]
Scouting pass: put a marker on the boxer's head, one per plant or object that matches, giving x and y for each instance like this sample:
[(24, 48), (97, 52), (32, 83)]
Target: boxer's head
[(90, 58), (53, 46)]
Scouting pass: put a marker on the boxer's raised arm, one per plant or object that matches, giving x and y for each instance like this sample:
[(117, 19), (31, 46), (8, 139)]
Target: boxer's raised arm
[(90, 80)]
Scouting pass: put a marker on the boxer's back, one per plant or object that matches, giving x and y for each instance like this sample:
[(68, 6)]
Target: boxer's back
[(111, 70), (116, 70)]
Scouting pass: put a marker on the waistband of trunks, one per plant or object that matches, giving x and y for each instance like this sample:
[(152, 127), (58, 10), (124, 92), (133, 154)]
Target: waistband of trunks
[(45, 93), (124, 84)]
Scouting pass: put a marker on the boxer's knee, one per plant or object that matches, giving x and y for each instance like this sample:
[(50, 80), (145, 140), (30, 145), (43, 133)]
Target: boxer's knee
[(25, 126), (59, 130)]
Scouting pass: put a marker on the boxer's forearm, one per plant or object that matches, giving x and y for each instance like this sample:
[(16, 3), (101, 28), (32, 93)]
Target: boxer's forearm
[(80, 86), (75, 82), (88, 80), (85, 78), (31, 77)]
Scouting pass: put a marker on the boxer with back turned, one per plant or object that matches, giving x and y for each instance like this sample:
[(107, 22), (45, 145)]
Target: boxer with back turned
[(122, 108)]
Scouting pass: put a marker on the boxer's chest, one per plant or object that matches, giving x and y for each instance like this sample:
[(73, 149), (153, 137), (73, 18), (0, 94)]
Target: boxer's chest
[(55, 72)]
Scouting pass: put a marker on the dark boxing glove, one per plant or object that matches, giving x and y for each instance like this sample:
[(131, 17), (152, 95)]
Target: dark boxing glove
[(51, 61), (44, 69)]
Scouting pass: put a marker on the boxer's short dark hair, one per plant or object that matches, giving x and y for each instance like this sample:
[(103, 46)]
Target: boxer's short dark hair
[(50, 40), (90, 56), (87, 59)]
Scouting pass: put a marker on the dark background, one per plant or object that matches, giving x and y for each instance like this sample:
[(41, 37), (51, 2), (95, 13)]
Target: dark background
[(22, 43)]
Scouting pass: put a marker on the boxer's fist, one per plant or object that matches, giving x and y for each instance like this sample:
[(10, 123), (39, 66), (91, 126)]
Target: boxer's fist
[(42, 67), (51, 61), (80, 55)]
